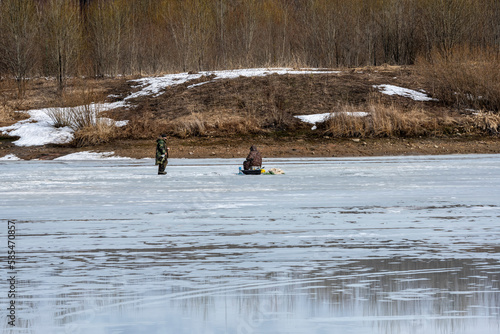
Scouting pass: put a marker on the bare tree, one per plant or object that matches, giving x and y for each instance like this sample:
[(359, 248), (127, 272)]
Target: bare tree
[(240, 33), (18, 32), (106, 24), (399, 31), (62, 36), (109, 37), (447, 23), (192, 25)]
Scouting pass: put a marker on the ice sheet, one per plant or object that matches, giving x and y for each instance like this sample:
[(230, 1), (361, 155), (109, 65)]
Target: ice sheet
[(348, 245)]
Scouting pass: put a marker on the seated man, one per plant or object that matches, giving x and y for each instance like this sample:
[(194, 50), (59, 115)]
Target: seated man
[(254, 159)]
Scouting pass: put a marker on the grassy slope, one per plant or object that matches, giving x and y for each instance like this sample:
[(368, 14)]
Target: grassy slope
[(223, 118)]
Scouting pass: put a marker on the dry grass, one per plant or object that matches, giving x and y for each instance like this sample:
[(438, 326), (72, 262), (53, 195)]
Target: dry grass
[(9, 116), (485, 122), (9, 103), (145, 126), (192, 125), (390, 121), (214, 122), (343, 125), (279, 119), (6, 115), (96, 134), (382, 121)]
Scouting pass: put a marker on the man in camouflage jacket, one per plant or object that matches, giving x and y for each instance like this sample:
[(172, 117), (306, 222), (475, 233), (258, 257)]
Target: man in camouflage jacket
[(161, 154)]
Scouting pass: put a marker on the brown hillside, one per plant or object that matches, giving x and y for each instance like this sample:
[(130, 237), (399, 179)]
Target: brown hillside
[(222, 118)]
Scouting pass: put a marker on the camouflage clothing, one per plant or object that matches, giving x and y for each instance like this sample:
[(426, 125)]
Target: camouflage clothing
[(254, 159), (161, 155)]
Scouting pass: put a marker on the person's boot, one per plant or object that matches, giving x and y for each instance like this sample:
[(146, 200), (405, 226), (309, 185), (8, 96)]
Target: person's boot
[(161, 171)]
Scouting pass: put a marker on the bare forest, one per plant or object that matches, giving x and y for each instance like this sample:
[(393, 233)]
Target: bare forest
[(64, 38)]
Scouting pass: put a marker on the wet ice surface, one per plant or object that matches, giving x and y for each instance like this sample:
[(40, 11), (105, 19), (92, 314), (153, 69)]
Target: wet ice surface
[(353, 245)]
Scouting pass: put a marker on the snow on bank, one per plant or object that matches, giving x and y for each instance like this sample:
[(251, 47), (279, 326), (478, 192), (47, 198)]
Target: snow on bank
[(318, 118), (313, 119), (154, 85), (10, 157), (39, 129), (405, 92), (89, 155)]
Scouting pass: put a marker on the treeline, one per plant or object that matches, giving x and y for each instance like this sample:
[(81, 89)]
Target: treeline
[(62, 38)]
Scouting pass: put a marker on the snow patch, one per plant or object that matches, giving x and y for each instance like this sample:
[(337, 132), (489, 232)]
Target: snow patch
[(89, 155), (405, 92), (154, 85), (318, 118), (11, 157), (38, 130)]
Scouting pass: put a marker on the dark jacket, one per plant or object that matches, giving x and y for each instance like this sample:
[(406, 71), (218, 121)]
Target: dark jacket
[(161, 151), (253, 159)]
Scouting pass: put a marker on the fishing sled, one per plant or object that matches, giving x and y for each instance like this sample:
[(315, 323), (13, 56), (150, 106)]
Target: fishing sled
[(251, 171), (260, 171)]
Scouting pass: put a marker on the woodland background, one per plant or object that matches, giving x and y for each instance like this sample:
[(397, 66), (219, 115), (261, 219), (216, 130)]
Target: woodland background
[(65, 38)]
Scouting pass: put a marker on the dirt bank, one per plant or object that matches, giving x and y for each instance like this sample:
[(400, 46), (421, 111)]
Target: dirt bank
[(238, 148)]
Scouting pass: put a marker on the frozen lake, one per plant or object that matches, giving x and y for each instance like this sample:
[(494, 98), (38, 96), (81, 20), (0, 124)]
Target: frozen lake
[(351, 245)]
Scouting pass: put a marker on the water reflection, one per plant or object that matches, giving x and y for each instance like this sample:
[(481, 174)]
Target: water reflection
[(399, 296)]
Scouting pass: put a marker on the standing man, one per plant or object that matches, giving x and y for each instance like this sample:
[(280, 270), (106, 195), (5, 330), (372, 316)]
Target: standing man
[(162, 154)]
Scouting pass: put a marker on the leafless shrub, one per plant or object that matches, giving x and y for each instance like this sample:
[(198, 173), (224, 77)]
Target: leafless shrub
[(76, 118), (60, 117), (465, 78), (85, 116), (88, 127)]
